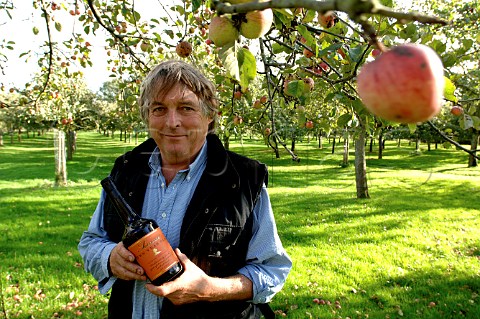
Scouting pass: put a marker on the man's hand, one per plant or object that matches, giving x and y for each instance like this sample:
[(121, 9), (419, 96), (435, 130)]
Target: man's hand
[(195, 285), (123, 266)]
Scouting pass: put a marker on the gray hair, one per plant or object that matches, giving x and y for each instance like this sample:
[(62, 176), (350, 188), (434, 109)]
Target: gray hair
[(165, 75)]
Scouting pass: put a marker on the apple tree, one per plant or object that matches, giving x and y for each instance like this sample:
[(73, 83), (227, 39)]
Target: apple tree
[(306, 53)]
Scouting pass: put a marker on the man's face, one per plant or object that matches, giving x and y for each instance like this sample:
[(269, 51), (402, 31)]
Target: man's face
[(178, 126)]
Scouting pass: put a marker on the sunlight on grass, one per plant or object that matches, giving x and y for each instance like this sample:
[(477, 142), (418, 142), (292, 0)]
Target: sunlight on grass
[(411, 251)]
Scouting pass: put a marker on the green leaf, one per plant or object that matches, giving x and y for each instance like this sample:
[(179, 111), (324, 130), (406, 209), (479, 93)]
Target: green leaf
[(247, 66), (170, 33), (228, 56), (356, 52), (344, 119), (467, 122), (131, 100), (331, 48), (449, 91), (449, 60), (309, 16), (295, 88), (301, 118), (277, 48), (283, 18), (387, 3), (467, 44), (412, 128), (35, 30), (58, 26), (439, 46), (137, 16), (310, 40), (196, 4)]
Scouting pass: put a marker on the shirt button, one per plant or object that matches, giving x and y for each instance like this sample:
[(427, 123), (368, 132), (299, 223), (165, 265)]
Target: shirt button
[(164, 215)]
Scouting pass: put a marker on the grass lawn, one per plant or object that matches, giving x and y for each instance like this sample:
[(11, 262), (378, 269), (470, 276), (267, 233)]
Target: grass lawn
[(410, 251)]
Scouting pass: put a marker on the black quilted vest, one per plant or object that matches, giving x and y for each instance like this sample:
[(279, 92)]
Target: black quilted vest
[(216, 228)]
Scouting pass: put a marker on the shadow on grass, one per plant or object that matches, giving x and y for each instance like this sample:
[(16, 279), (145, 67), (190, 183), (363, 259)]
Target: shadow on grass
[(426, 295)]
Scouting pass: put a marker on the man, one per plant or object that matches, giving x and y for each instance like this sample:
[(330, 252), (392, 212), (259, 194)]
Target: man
[(211, 204)]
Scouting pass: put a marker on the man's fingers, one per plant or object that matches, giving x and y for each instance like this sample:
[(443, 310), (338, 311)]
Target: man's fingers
[(124, 252), (123, 266)]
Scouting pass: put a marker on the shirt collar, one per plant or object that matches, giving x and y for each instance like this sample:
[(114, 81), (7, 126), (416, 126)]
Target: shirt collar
[(156, 165)]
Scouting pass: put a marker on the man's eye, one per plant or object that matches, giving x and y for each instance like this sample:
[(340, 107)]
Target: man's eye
[(158, 111)]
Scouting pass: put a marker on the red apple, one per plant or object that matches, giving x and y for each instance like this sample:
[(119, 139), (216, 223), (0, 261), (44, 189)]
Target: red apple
[(268, 131), (183, 49), (263, 99), (309, 83), (327, 20), (237, 95), (376, 52), (456, 110), (404, 84), (237, 120), (309, 124), (324, 66), (307, 53), (257, 104)]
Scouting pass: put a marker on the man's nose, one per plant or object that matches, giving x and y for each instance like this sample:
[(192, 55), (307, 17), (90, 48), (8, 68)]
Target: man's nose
[(173, 119)]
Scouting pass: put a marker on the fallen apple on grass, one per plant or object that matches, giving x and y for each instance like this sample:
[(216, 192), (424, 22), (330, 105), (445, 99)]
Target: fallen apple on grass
[(404, 84)]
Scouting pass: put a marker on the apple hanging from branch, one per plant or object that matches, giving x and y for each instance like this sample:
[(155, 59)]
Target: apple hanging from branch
[(222, 31), (404, 84)]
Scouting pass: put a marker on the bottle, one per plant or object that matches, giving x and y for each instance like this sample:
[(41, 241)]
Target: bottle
[(145, 240)]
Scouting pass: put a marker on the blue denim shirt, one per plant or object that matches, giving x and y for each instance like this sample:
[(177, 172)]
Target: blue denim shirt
[(267, 264)]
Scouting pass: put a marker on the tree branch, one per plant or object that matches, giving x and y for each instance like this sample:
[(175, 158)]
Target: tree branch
[(50, 56), (111, 30), (445, 137), (354, 8)]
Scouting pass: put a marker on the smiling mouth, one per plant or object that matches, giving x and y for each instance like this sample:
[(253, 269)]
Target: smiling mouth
[(173, 136)]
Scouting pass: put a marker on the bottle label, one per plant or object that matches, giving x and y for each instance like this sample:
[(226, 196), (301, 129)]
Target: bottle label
[(154, 253)]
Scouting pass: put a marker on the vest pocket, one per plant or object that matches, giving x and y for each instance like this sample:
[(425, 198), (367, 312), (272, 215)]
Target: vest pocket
[(219, 241), (221, 238)]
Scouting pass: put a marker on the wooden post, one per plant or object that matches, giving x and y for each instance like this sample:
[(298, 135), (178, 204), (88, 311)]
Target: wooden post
[(60, 158)]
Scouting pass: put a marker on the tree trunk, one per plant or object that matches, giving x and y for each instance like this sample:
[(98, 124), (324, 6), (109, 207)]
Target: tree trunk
[(277, 152), (71, 144), (1, 138), (472, 160), (60, 159), (226, 141), (333, 145), (345, 150), (361, 166), (320, 146), (380, 145)]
